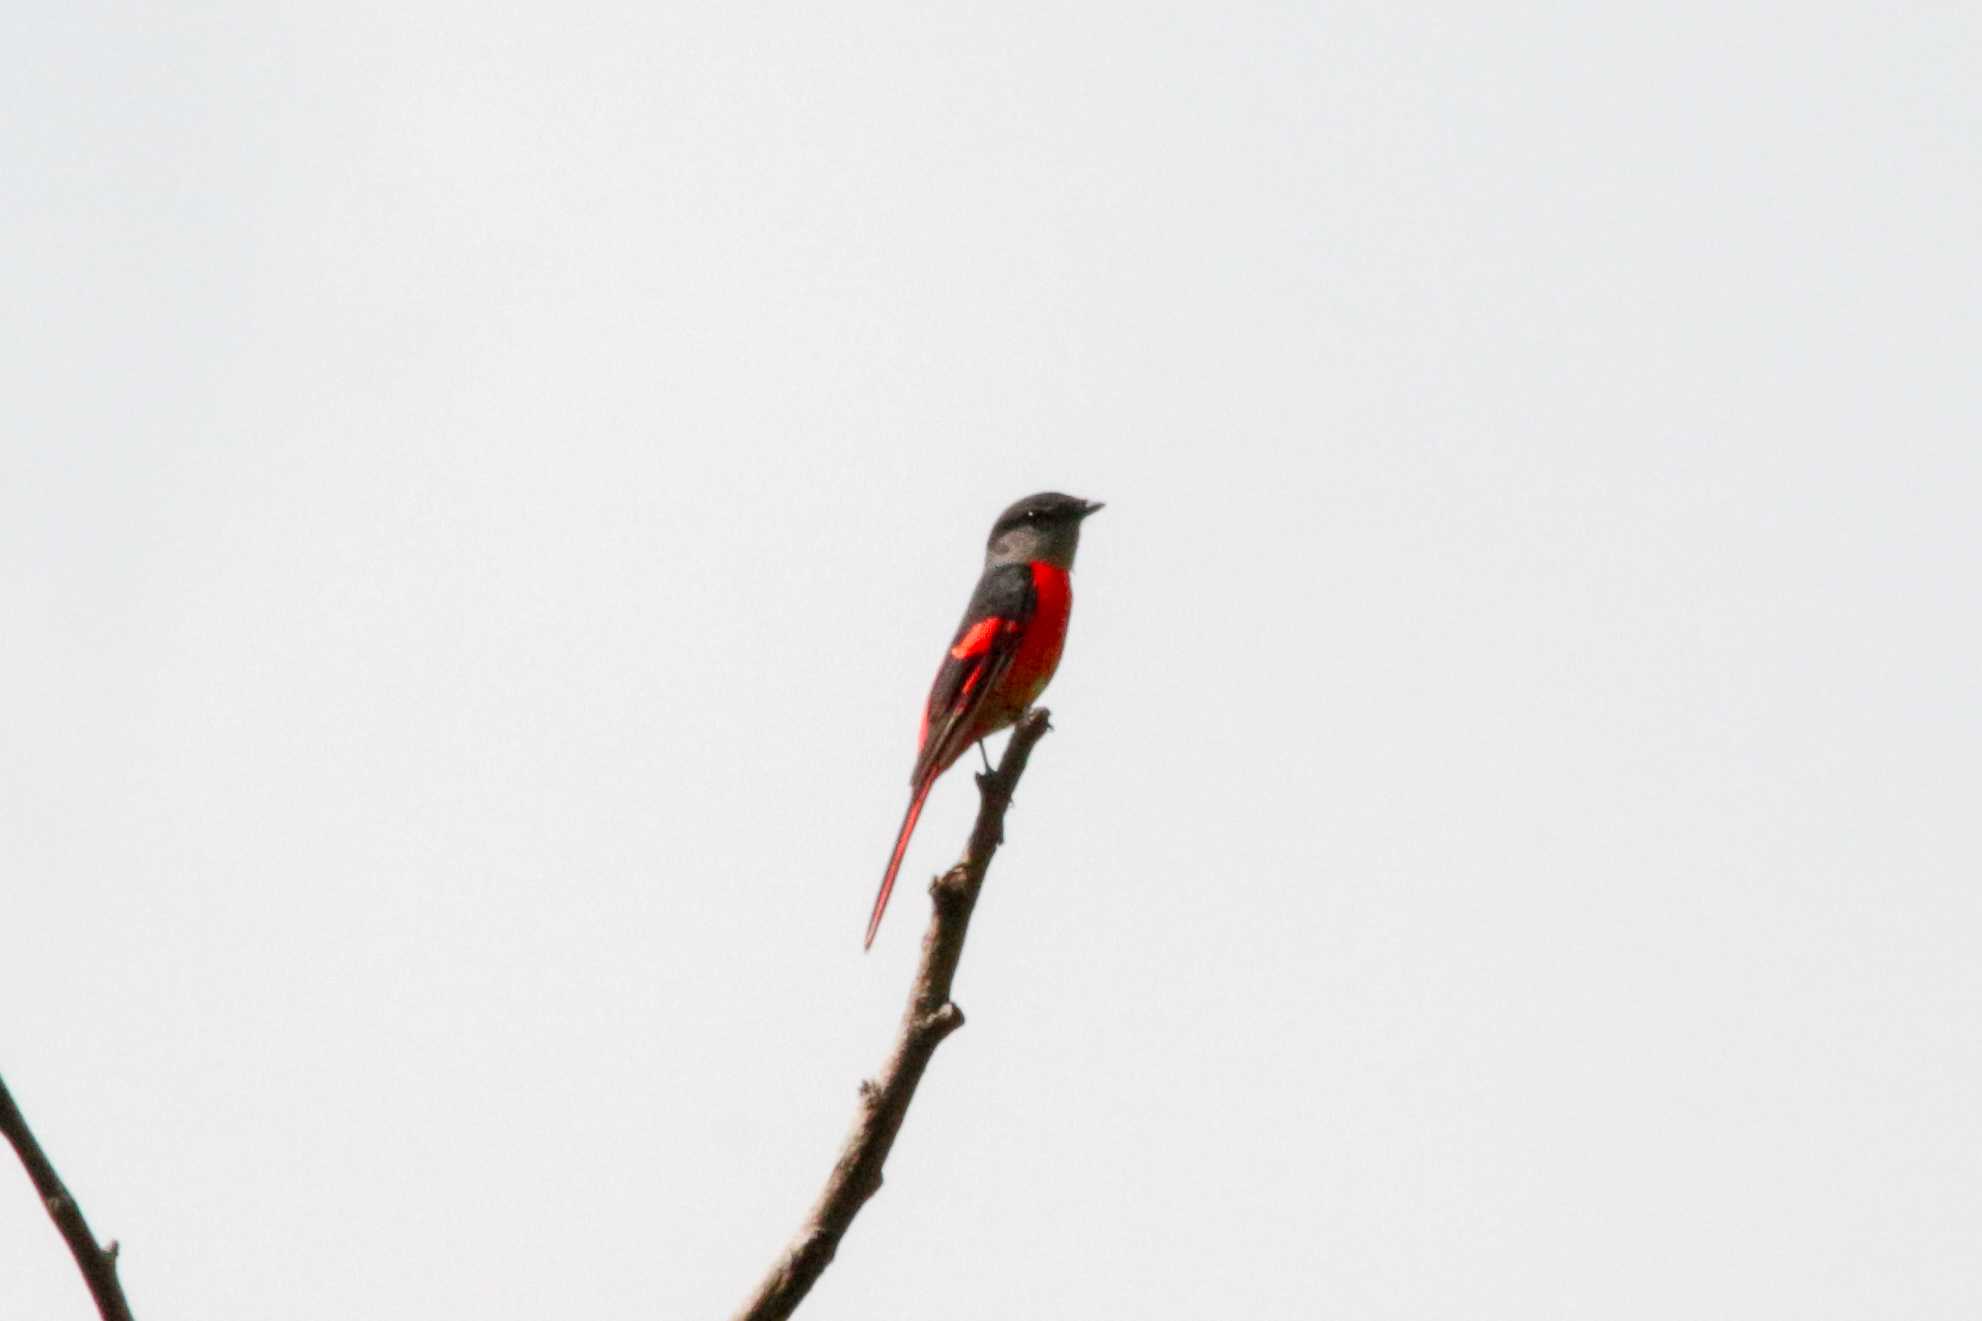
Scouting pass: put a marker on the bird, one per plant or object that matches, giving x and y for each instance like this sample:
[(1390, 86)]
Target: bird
[(1004, 651)]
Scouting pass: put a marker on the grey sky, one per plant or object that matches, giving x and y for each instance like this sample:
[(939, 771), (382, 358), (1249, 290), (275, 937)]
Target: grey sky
[(485, 489)]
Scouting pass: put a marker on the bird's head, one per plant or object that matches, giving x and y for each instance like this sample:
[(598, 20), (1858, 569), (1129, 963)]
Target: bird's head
[(1040, 527)]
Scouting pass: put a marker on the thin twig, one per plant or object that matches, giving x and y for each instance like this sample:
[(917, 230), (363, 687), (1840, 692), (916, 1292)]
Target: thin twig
[(930, 1017), (98, 1264)]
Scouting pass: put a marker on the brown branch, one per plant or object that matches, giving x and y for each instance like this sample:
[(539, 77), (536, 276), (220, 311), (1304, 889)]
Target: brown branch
[(930, 1017), (98, 1264)]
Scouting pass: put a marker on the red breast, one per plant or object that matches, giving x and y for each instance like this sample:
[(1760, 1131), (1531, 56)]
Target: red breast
[(1038, 653)]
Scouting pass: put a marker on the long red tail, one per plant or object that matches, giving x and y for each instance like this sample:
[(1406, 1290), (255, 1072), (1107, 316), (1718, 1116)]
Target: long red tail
[(895, 858)]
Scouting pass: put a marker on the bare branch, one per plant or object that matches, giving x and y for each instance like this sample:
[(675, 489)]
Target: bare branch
[(929, 1018), (98, 1264)]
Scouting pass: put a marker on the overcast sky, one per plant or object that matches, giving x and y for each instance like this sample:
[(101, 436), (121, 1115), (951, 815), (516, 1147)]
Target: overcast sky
[(484, 490)]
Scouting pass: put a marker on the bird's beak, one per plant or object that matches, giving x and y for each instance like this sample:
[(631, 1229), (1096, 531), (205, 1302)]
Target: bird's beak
[(1093, 507)]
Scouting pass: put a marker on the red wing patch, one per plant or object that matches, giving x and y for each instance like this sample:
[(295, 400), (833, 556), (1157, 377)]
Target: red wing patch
[(973, 655), (965, 668), (981, 651), (977, 639)]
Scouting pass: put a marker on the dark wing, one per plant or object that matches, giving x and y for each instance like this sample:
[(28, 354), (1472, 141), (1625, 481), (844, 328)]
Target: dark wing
[(983, 647)]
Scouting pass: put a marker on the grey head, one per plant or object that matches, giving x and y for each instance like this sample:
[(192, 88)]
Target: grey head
[(1040, 527)]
